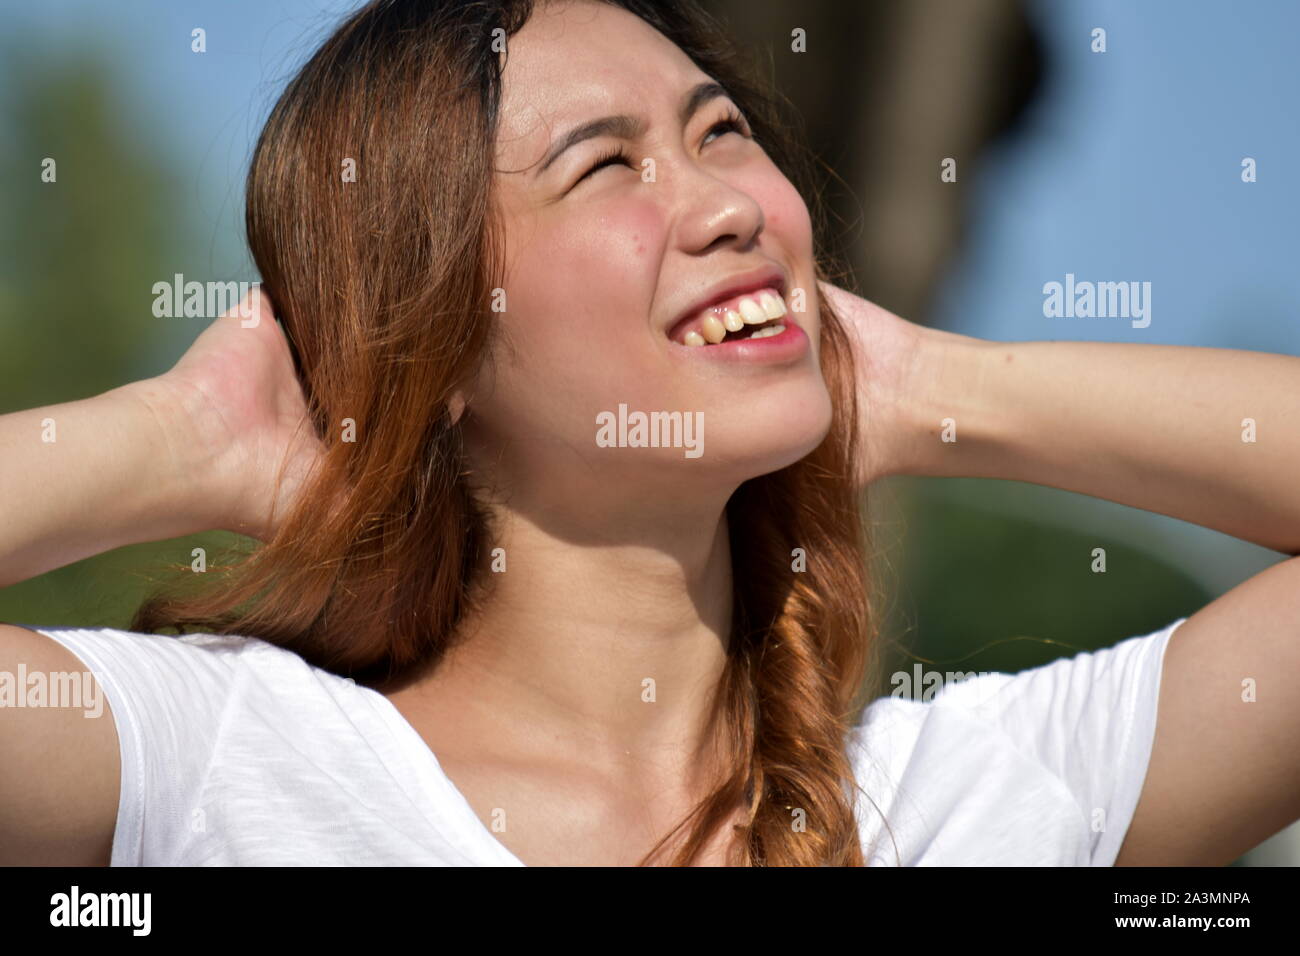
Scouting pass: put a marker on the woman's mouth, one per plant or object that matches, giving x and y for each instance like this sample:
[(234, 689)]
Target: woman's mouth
[(753, 315)]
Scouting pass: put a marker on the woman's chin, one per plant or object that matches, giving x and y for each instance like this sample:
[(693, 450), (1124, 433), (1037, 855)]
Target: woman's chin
[(765, 447)]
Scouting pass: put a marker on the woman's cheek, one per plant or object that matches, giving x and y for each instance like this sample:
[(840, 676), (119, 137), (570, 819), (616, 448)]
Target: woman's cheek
[(605, 255), (586, 283), (630, 232), (787, 218)]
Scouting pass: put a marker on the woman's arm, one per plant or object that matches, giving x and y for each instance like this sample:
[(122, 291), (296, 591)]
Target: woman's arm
[(1158, 428), (222, 440), (199, 447), (1208, 435), (88, 476)]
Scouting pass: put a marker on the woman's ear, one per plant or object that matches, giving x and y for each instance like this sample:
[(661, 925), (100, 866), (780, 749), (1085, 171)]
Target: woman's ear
[(456, 406), (466, 390)]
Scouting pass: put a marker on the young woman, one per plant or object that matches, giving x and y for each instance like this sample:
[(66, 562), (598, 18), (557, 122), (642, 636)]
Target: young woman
[(493, 620)]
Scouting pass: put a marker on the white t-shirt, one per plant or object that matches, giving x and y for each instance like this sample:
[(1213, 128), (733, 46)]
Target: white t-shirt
[(237, 752)]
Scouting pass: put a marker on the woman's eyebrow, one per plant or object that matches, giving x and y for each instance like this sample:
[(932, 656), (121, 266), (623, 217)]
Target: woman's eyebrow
[(624, 126)]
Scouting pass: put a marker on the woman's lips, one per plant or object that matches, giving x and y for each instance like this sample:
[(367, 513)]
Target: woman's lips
[(790, 343), (731, 319)]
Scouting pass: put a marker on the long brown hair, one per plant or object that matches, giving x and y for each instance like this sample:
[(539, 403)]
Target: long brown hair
[(383, 285)]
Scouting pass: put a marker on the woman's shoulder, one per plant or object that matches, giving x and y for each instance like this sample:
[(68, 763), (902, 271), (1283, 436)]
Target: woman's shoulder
[(227, 742), (158, 678), (211, 652), (1043, 765)]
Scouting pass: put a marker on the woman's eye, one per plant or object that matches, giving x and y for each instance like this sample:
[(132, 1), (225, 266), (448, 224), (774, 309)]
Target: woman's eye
[(608, 159), (732, 124)]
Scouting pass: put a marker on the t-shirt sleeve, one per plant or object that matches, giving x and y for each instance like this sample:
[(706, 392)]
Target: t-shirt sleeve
[(1090, 720), (167, 696)]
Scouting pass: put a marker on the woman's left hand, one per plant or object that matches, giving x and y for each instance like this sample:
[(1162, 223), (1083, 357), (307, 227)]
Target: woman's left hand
[(886, 350)]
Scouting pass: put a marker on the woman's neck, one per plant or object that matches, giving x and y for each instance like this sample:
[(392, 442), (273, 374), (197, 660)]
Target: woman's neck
[(603, 654)]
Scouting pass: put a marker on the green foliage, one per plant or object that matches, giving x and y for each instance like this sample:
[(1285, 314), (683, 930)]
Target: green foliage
[(980, 590), (80, 257)]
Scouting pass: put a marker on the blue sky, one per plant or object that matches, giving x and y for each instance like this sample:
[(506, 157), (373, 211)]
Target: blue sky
[(204, 110), (1130, 170)]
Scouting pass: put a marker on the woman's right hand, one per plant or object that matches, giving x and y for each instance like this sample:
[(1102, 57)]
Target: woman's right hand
[(234, 412)]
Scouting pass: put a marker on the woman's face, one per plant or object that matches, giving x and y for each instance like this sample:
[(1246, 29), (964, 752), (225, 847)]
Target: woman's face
[(605, 268)]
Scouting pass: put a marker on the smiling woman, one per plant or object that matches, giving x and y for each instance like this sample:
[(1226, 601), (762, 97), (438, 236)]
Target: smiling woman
[(478, 632), (485, 179)]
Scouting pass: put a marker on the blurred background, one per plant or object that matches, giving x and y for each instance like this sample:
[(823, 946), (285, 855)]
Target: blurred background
[(1117, 165)]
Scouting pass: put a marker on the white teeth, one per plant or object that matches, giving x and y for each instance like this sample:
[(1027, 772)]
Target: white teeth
[(712, 329), (772, 305), (752, 312)]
